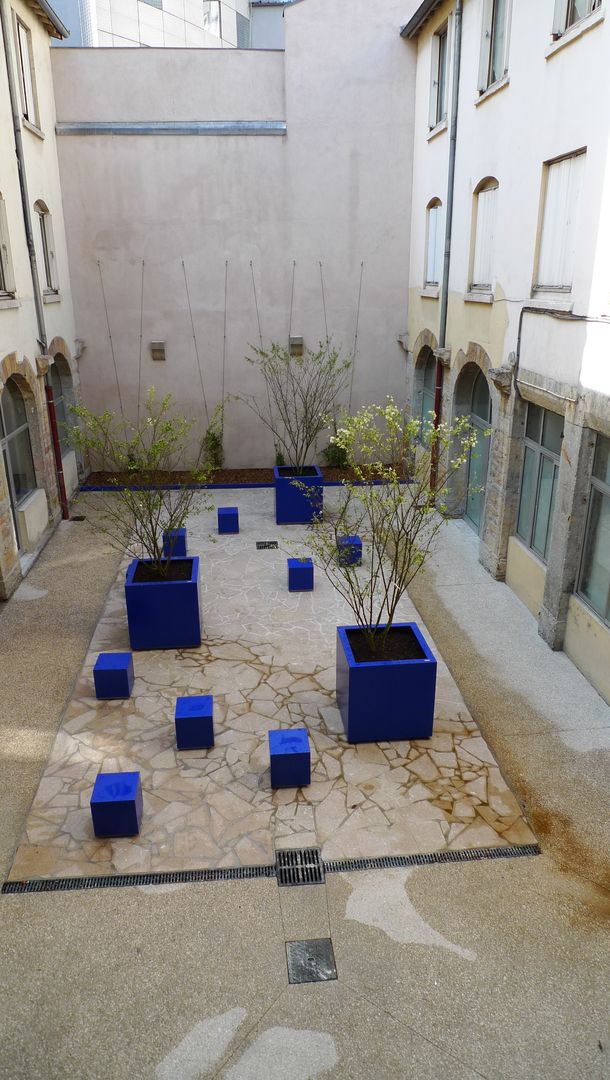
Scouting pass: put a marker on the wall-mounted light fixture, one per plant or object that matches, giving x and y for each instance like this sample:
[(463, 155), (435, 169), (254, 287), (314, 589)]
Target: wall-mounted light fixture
[(295, 345), (157, 350)]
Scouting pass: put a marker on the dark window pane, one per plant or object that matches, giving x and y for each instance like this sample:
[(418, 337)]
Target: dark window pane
[(13, 407), (21, 464), (552, 431), (526, 498), (544, 508), (430, 374), (481, 405), (601, 467), (534, 422), (595, 579), (498, 32)]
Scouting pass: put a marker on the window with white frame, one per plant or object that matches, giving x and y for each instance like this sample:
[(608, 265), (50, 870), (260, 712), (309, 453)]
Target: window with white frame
[(569, 12), (484, 219), (7, 280), (594, 580), (438, 76), (47, 246), (434, 242), (562, 187), (493, 63), (26, 72), (543, 435)]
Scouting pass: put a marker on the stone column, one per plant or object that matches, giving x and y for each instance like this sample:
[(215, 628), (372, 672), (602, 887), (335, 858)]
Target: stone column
[(569, 518)]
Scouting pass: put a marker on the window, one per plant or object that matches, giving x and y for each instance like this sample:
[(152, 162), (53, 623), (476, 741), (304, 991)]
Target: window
[(568, 12), (428, 395), (434, 242), (493, 63), (16, 444), (47, 246), (438, 76), (7, 281), (543, 435), (211, 16), (594, 583), (26, 72), (61, 381), (486, 196), (562, 193)]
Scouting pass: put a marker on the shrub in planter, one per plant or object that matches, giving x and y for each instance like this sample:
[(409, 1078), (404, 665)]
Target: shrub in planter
[(386, 673), (301, 394), (161, 592)]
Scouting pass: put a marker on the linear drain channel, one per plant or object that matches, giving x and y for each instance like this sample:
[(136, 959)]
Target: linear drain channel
[(293, 867), (266, 545)]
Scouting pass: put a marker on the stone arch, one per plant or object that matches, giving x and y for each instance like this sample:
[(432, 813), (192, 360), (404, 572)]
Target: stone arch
[(22, 373)]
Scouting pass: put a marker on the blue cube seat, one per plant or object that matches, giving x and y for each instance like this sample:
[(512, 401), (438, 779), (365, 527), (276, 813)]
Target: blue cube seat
[(113, 675), (290, 757), (194, 719), (349, 550), (228, 519), (300, 575), (116, 804), (174, 543)]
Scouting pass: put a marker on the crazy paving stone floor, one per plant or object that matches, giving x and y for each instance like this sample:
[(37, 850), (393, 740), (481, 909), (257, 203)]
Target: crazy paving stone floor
[(268, 658)]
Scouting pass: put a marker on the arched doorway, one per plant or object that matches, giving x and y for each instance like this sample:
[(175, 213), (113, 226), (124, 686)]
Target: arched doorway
[(63, 396), (16, 445), (478, 457)]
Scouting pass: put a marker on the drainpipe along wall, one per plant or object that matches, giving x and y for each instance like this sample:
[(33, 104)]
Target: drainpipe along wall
[(442, 333), (5, 20)]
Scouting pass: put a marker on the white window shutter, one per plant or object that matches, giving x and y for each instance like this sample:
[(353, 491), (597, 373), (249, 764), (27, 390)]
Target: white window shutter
[(482, 276), (7, 262), (26, 73), (560, 17), (433, 82), (559, 223), (432, 260), (485, 45)]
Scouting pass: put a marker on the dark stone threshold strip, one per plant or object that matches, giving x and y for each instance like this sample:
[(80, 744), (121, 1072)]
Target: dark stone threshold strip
[(240, 873)]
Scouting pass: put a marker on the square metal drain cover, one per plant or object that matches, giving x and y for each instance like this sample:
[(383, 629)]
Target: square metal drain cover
[(299, 866), (311, 961), (266, 545)]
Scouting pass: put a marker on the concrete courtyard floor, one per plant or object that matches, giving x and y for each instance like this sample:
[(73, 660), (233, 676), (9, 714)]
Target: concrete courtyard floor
[(492, 969)]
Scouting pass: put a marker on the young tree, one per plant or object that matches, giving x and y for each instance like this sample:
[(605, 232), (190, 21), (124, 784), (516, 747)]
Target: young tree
[(390, 504), (140, 459), (301, 395)]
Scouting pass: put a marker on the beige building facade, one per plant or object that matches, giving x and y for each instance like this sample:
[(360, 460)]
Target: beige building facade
[(37, 347), (524, 346)]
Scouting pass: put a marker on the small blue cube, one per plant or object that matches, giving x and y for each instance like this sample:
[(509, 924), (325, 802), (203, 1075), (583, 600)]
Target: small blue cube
[(174, 544), (290, 758), (116, 804), (300, 575), (194, 721), (113, 675), (349, 550), (228, 519)]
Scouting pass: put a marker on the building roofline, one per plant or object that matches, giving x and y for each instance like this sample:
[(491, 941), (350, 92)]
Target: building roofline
[(423, 13), (49, 19)]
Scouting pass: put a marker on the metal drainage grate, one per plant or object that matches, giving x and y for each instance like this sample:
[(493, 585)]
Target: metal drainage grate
[(118, 881), (266, 545), (78, 517), (299, 866), (388, 862), (310, 961)]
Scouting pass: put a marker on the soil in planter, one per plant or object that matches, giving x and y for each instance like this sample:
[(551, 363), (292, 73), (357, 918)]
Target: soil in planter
[(179, 570), (289, 470), (400, 644)]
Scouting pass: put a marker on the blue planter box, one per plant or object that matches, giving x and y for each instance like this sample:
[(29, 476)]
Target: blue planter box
[(113, 675), (174, 543), (290, 757), (116, 804), (194, 719), (349, 550), (163, 614), (293, 506), (385, 700), (300, 575), (228, 519)]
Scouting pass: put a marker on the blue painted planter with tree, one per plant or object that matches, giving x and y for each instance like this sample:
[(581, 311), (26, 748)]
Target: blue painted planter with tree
[(163, 614), (293, 505), (386, 700)]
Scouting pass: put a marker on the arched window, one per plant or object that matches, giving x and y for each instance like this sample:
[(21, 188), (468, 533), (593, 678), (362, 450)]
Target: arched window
[(484, 234), (48, 246), (428, 391), (478, 457), (61, 381), (16, 443), (434, 242)]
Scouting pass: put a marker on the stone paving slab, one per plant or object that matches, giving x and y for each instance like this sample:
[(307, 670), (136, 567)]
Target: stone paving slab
[(268, 659)]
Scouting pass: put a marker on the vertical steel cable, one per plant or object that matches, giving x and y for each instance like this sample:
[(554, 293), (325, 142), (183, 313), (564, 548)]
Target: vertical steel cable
[(116, 374)]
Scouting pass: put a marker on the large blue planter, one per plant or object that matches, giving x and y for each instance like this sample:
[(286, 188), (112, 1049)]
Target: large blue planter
[(385, 700), (293, 506), (163, 614)]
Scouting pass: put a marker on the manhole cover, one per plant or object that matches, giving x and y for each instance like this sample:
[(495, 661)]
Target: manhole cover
[(311, 961), (266, 545), (299, 866)]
